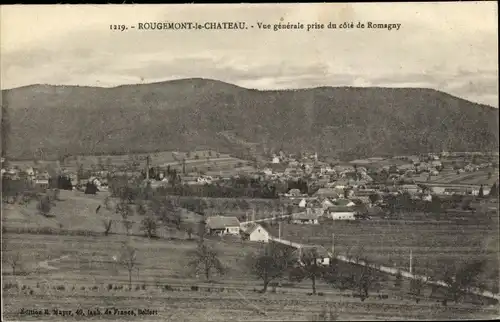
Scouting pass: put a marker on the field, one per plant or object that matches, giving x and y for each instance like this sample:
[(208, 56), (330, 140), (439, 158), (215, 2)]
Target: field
[(435, 243), (450, 176), (71, 267), (82, 275)]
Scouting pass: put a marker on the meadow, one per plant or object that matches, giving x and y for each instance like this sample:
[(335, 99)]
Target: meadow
[(78, 272)]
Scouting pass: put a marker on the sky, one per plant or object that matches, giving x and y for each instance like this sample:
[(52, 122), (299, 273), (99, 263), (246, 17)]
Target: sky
[(451, 47)]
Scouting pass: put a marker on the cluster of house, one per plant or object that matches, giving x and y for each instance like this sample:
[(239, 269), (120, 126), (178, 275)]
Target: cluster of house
[(33, 176), (227, 225)]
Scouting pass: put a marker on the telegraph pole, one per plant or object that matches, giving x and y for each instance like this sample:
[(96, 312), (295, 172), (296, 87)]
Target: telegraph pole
[(411, 261), (279, 230), (333, 244), (147, 168)]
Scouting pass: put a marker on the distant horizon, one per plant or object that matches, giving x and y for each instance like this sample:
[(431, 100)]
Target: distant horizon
[(247, 87)]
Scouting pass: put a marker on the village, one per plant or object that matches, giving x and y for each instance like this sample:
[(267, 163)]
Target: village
[(309, 190)]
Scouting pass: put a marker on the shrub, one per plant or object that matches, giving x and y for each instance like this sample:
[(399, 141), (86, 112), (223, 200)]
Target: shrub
[(144, 286), (31, 292), (194, 288), (321, 294), (168, 288), (138, 287), (110, 287)]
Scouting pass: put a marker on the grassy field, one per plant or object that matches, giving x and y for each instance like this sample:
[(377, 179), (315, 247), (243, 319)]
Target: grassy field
[(82, 275), (70, 272)]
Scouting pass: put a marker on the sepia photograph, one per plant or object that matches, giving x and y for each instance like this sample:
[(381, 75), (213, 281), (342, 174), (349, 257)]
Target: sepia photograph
[(250, 162)]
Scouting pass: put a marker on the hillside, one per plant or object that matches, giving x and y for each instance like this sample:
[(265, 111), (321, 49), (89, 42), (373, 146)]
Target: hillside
[(201, 113)]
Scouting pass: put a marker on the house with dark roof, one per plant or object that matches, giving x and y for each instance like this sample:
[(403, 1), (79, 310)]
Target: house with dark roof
[(222, 225)]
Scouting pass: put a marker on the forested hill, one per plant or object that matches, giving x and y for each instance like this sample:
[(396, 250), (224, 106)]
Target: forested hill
[(202, 113)]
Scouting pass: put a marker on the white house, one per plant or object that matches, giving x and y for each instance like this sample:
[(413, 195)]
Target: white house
[(303, 203), (341, 213), (255, 232), (276, 160)]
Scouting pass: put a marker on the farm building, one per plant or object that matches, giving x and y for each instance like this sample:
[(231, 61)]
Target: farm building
[(255, 232), (222, 225), (341, 213), (311, 251), (304, 218)]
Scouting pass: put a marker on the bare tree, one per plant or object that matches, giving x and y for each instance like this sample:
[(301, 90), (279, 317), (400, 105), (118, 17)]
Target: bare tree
[(125, 211), (44, 206), (272, 263), (461, 280), (365, 280), (309, 269), (107, 226), (141, 207), (167, 211), (149, 225), (190, 231), (416, 287), (206, 260), (128, 259)]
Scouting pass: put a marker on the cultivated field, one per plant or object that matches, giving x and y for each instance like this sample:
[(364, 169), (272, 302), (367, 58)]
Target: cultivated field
[(435, 243)]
